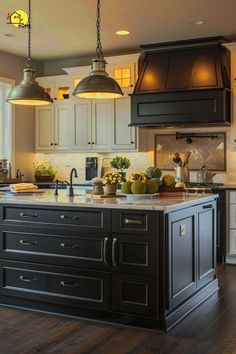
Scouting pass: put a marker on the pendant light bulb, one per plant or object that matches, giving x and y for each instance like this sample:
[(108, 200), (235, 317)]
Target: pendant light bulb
[(29, 92), (98, 84)]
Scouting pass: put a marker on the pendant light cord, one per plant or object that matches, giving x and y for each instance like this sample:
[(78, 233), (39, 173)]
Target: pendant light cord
[(98, 25), (29, 59)]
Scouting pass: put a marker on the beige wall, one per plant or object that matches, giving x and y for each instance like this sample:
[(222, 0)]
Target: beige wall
[(11, 66)]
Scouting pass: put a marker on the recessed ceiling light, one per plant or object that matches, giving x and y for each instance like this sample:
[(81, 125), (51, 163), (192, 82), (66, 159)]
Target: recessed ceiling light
[(197, 22), (122, 33), (9, 34)]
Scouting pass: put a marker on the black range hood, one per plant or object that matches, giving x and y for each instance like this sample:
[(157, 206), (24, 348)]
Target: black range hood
[(183, 83)]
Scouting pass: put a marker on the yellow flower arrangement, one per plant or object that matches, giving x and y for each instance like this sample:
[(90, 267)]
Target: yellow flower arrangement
[(112, 178)]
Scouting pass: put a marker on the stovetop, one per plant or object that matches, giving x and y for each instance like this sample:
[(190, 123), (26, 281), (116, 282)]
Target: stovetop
[(206, 187)]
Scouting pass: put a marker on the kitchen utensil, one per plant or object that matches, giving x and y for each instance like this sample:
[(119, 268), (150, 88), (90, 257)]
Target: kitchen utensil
[(182, 173)]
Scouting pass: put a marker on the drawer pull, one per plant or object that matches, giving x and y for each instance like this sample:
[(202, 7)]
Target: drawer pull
[(114, 242), (209, 206), (133, 222), (64, 217), (105, 244), (28, 279), (69, 285), (68, 245), (24, 215), (28, 243)]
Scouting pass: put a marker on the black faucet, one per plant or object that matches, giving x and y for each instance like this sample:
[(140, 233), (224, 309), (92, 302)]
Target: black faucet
[(57, 182), (72, 172)]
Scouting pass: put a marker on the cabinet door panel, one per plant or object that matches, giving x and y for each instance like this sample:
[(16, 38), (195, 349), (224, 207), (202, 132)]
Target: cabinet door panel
[(134, 254), (63, 126), (182, 257), (44, 128), (102, 121), (134, 294), (233, 216), (206, 244), (82, 125), (124, 136)]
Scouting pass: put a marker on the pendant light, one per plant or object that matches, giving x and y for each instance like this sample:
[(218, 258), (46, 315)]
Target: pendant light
[(29, 92), (98, 84)]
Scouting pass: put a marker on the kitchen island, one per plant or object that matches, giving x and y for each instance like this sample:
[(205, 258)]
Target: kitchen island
[(144, 262)]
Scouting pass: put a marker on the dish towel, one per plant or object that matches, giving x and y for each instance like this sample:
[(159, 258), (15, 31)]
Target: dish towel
[(23, 187)]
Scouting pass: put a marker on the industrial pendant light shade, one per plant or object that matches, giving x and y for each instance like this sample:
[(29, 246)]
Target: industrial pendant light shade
[(98, 84), (29, 92)]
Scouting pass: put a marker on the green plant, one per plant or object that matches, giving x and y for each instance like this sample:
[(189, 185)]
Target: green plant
[(120, 163), (112, 178), (44, 169)]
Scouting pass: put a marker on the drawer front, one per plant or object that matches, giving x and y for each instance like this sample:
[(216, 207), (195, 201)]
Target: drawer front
[(142, 222), (55, 285), (83, 218), (232, 197), (134, 294), (79, 250), (134, 254)]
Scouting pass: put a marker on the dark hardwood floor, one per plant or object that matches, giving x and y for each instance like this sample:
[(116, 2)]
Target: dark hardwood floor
[(209, 329)]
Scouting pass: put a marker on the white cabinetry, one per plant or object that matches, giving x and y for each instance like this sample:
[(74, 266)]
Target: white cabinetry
[(231, 207), (73, 124)]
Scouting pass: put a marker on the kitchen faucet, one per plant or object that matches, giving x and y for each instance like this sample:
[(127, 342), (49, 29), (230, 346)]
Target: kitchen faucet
[(72, 172)]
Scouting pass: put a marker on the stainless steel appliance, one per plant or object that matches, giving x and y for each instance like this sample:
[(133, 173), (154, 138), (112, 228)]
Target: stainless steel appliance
[(91, 168)]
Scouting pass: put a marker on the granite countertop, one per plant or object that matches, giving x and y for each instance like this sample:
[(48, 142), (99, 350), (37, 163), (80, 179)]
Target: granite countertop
[(47, 198)]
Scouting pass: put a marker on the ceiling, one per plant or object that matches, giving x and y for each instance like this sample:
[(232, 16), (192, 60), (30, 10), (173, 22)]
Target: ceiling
[(66, 28)]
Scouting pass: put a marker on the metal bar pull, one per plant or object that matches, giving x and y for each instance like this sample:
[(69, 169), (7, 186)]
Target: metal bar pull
[(28, 279), (114, 242), (209, 206), (28, 243), (24, 215), (105, 244), (70, 217), (69, 284), (133, 222), (68, 245)]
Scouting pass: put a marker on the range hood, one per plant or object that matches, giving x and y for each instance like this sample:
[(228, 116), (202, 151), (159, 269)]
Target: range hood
[(183, 83)]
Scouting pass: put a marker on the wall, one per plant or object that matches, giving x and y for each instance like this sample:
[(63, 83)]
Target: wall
[(11, 66)]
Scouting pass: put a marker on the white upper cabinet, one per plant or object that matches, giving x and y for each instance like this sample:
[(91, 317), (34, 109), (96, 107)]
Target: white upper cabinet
[(74, 124), (82, 130), (102, 118), (63, 127), (124, 137), (44, 128)]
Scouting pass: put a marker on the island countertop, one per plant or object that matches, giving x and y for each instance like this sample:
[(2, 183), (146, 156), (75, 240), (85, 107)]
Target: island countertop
[(47, 198)]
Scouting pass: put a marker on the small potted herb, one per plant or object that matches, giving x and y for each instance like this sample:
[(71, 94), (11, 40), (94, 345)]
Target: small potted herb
[(120, 163), (44, 171), (111, 179)]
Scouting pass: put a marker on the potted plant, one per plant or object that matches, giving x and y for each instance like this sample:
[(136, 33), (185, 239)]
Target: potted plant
[(120, 163), (111, 179), (44, 171)]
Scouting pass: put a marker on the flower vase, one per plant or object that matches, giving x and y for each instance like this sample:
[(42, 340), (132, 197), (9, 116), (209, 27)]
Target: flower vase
[(110, 189)]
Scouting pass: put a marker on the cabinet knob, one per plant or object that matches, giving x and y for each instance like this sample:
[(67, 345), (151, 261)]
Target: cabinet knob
[(28, 243), (28, 279), (24, 215), (209, 206), (133, 222), (93, 143), (69, 284), (132, 142), (89, 143), (55, 144), (67, 245)]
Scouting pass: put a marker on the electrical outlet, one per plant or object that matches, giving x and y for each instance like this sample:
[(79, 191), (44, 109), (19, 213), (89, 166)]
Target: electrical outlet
[(182, 230)]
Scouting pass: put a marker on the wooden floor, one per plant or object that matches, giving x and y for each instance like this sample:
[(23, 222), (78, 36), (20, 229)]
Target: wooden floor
[(209, 329)]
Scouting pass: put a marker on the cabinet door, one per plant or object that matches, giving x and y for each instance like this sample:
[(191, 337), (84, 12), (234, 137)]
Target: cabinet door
[(206, 243), (233, 216), (63, 126), (44, 128), (82, 125), (134, 254), (124, 137), (134, 294), (182, 250), (102, 121)]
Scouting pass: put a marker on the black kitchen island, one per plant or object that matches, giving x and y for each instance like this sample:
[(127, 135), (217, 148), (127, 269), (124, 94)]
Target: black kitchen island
[(142, 263)]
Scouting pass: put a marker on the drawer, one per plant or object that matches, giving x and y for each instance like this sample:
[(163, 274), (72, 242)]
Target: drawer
[(141, 222), (134, 294), (85, 250), (134, 253), (232, 197), (82, 218), (59, 285), (232, 216)]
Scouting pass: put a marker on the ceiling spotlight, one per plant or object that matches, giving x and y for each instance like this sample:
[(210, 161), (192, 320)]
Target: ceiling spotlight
[(122, 33), (197, 22)]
